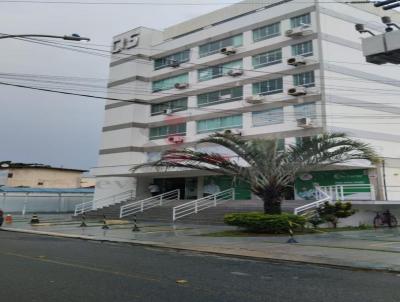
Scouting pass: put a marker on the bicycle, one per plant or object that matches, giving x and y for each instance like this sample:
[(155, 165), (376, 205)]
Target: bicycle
[(385, 218)]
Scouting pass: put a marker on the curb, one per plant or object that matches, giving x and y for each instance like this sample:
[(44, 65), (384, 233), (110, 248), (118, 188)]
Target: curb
[(206, 252)]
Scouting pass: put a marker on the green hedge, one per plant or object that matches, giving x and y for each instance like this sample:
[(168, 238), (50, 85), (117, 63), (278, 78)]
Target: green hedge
[(264, 223)]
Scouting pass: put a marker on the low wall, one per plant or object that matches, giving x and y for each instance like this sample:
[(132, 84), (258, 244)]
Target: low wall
[(42, 202)]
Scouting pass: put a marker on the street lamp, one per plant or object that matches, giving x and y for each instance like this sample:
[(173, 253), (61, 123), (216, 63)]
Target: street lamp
[(73, 37)]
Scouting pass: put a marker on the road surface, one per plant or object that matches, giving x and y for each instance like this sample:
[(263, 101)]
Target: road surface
[(46, 269)]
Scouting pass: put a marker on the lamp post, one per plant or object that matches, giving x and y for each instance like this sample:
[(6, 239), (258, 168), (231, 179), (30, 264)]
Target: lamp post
[(73, 37)]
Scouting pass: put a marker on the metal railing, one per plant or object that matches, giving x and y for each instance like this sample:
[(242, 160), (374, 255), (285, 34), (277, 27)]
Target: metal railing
[(195, 206), (148, 203), (103, 202), (321, 197), (350, 192)]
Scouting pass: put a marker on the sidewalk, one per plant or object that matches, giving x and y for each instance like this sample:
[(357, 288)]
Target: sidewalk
[(370, 249)]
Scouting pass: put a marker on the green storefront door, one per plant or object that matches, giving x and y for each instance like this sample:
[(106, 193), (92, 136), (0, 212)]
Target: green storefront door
[(242, 190)]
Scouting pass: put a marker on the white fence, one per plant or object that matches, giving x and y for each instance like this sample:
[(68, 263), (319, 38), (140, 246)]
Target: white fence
[(13, 202)]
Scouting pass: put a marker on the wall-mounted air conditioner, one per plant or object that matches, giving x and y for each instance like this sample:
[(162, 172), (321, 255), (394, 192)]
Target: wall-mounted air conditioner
[(233, 131), (229, 50), (174, 64), (235, 72), (296, 61), (181, 85), (176, 139), (167, 111), (297, 91), (255, 99), (298, 32), (304, 122)]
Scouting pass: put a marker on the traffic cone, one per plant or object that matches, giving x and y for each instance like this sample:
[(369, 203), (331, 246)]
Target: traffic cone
[(105, 225), (35, 219), (9, 218)]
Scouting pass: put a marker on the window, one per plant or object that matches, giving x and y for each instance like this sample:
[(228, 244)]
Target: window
[(169, 83), (268, 87), (280, 144), (220, 123), (267, 32), (305, 110), (267, 117), (305, 79), (217, 71), (40, 183), (267, 58), (165, 131), (10, 175), (303, 49), (214, 47), (220, 96), (300, 20), (302, 140), (175, 105), (179, 57)]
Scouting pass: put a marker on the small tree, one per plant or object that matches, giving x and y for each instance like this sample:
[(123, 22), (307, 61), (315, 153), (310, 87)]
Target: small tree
[(333, 212)]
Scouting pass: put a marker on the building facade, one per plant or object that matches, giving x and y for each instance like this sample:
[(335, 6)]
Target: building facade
[(287, 69), (39, 176)]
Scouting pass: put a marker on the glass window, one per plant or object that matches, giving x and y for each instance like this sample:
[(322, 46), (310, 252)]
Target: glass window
[(267, 32), (303, 49), (214, 47), (175, 105), (220, 123), (220, 96), (217, 71), (165, 131), (169, 83), (300, 20), (268, 87), (179, 57), (267, 117), (267, 58), (305, 79), (305, 110)]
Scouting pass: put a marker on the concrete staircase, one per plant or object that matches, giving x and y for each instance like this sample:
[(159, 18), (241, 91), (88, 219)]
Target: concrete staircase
[(214, 215)]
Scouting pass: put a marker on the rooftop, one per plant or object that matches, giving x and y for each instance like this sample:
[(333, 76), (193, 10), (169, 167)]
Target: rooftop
[(10, 165)]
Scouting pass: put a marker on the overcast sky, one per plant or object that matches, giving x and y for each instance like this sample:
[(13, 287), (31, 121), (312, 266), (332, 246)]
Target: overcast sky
[(57, 129)]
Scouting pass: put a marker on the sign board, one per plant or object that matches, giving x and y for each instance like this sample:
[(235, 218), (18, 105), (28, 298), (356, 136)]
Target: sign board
[(305, 183), (128, 42)]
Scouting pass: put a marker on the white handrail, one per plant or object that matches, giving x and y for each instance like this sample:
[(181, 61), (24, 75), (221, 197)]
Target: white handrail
[(148, 203), (343, 192), (102, 202), (321, 197), (195, 206)]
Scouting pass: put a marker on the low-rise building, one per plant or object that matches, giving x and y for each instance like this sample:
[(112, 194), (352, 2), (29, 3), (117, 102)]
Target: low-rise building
[(38, 176)]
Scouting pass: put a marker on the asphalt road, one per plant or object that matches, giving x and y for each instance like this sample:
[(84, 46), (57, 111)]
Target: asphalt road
[(44, 269)]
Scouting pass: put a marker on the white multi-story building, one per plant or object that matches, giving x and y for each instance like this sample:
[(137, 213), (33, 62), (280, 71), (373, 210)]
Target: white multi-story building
[(283, 69)]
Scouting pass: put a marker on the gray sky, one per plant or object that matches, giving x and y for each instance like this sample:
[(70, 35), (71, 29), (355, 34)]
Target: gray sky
[(57, 129)]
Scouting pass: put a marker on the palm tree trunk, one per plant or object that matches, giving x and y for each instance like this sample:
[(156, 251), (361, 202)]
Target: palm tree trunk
[(272, 205)]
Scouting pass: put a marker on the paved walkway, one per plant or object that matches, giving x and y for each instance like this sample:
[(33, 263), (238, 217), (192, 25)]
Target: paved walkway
[(370, 249)]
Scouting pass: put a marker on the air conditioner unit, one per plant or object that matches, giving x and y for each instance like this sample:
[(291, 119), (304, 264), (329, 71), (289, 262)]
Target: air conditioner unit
[(181, 85), (255, 99), (176, 139), (298, 32), (233, 131), (225, 97), (304, 122), (297, 91), (296, 61), (168, 111), (174, 64), (235, 72), (229, 50)]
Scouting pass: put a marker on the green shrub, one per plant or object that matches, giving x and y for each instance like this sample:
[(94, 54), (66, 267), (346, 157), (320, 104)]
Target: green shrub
[(265, 223)]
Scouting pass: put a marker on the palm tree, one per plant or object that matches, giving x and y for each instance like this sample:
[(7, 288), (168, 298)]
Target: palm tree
[(269, 170)]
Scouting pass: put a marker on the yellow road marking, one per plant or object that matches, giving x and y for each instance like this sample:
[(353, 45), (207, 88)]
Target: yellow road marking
[(83, 267)]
